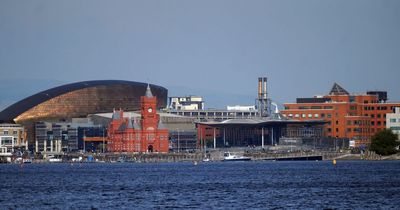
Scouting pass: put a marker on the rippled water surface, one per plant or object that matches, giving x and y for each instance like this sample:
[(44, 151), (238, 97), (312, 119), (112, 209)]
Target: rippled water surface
[(219, 185)]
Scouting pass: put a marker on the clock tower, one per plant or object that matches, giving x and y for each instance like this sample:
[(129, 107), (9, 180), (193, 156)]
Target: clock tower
[(149, 114)]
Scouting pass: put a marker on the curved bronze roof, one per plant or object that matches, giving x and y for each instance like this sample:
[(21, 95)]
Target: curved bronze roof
[(13, 111)]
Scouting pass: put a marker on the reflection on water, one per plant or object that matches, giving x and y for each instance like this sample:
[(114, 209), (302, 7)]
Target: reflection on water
[(299, 185)]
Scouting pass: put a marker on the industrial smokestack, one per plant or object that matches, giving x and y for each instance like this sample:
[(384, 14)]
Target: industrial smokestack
[(262, 100), (264, 88)]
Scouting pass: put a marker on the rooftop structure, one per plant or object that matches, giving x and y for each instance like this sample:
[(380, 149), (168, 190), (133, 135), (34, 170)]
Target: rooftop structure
[(186, 103)]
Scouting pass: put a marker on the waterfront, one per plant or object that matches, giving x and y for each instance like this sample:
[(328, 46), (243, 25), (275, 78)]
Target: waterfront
[(255, 184)]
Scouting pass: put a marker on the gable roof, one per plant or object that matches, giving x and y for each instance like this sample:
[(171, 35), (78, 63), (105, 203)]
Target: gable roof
[(338, 90)]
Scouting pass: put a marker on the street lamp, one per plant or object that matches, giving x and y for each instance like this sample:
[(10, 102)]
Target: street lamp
[(178, 140), (103, 138)]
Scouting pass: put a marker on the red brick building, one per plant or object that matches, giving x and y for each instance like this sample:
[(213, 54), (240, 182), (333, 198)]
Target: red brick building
[(356, 117), (138, 135)]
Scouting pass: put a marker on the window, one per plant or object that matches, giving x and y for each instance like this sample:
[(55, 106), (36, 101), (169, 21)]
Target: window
[(329, 129), (15, 132), (316, 115), (290, 115), (379, 122), (309, 115), (372, 116), (379, 115), (322, 115), (5, 132), (372, 122), (337, 122), (337, 129), (297, 115), (392, 120), (348, 122), (303, 115), (329, 115), (316, 107)]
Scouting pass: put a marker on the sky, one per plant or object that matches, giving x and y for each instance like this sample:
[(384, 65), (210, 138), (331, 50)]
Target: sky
[(213, 48)]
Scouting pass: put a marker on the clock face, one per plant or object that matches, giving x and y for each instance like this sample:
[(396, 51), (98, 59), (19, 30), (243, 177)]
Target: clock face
[(150, 109)]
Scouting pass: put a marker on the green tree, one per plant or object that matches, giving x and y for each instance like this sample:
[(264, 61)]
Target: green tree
[(384, 142)]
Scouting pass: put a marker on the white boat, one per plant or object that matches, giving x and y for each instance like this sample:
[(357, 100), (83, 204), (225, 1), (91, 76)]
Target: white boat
[(27, 160), (55, 160), (230, 157)]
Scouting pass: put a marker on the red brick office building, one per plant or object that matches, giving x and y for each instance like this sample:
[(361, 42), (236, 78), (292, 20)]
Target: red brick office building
[(356, 117), (138, 135)]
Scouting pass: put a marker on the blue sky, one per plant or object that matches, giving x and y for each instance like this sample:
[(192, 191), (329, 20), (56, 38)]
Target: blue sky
[(216, 49)]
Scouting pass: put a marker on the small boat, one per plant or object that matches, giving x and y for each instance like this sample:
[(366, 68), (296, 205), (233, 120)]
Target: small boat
[(55, 160), (121, 159), (230, 157), (27, 160)]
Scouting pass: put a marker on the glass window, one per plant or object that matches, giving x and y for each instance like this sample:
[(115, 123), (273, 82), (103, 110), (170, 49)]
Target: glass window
[(309, 115), (296, 115), (322, 115), (392, 120), (316, 115), (5, 132), (329, 115), (303, 115)]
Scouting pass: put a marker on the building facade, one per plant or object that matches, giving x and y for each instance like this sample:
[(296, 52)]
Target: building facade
[(393, 122), (355, 117), (78, 135), (12, 136), (144, 135), (186, 103)]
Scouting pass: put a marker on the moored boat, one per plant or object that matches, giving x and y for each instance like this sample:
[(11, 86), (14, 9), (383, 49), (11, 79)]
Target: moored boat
[(230, 157)]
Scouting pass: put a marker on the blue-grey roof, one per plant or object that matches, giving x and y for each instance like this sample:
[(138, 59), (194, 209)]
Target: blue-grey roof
[(11, 112), (148, 94)]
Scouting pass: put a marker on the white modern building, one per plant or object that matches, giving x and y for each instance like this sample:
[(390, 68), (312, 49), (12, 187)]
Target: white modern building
[(393, 121), (241, 108), (11, 137), (186, 103)]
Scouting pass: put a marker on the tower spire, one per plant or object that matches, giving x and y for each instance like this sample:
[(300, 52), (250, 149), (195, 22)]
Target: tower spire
[(148, 92)]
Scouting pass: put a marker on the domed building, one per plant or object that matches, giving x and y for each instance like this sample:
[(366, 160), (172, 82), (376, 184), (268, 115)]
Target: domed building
[(79, 100)]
